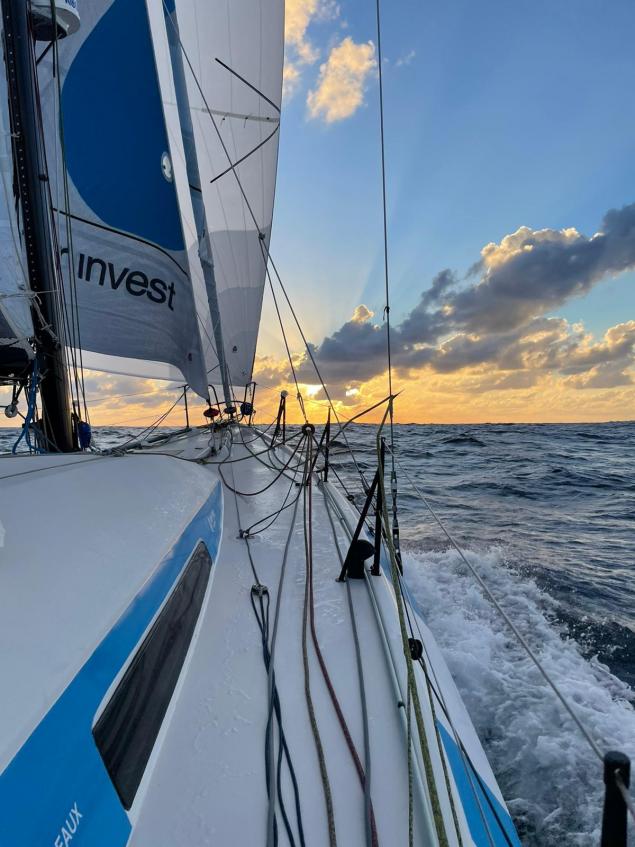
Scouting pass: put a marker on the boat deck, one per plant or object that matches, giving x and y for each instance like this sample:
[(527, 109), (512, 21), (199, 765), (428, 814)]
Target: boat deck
[(107, 726), (208, 784)]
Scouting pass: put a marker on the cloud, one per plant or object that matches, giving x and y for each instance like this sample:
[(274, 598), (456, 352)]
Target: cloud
[(299, 49), (342, 81), (534, 271), (362, 314), (498, 316), (407, 59)]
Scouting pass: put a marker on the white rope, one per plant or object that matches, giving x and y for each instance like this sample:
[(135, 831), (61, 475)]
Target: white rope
[(625, 795), (520, 638)]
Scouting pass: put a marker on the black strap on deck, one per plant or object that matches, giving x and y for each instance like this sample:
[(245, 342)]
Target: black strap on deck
[(355, 549), (327, 439), (281, 421)]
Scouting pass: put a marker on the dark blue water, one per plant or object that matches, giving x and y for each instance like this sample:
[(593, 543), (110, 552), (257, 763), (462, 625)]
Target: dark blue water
[(546, 514), (557, 500)]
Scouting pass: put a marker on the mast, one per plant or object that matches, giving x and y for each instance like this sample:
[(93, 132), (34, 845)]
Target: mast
[(27, 144), (196, 195)]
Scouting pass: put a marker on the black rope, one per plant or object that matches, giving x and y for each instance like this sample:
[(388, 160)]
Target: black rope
[(260, 591), (262, 619), (269, 484)]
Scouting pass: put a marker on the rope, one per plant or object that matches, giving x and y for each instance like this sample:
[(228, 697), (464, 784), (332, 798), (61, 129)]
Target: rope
[(270, 677), (625, 795), (251, 455), (273, 699), (518, 635), (149, 429), (365, 771), (31, 402), (273, 481), (273, 517), (412, 683), (308, 601), (411, 805), (432, 690), (55, 466)]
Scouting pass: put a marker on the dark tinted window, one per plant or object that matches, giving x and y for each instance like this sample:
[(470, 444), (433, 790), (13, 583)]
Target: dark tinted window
[(126, 731)]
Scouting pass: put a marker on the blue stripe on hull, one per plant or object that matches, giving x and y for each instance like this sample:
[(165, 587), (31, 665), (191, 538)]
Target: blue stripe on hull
[(489, 821), (56, 785), (477, 800)]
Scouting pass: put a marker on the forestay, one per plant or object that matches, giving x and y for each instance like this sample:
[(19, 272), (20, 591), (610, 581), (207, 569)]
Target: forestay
[(235, 48), (129, 246), (16, 325)]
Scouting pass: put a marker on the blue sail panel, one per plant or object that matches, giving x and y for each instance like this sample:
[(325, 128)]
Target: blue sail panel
[(120, 227)]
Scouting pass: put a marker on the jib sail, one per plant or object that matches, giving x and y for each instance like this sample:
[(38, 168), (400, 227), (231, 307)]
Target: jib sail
[(235, 49)]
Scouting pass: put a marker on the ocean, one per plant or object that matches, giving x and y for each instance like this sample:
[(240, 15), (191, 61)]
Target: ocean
[(546, 514)]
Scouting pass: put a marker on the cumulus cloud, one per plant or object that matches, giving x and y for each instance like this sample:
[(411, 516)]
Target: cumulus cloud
[(342, 81), (534, 271), (498, 317), (362, 314), (299, 49)]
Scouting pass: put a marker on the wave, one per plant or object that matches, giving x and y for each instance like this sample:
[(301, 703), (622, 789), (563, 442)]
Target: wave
[(550, 778), (464, 439)]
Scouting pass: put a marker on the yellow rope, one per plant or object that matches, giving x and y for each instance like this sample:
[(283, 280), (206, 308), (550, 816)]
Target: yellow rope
[(412, 682)]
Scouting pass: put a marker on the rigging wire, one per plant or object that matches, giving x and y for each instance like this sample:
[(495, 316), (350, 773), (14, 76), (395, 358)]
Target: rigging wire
[(286, 343), (384, 215)]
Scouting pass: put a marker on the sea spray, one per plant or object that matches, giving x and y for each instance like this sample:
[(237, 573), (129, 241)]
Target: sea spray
[(549, 776)]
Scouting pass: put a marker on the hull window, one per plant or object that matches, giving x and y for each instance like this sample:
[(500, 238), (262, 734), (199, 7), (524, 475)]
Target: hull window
[(127, 729)]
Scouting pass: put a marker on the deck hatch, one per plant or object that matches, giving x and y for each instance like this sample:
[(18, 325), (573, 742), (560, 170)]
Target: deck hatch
[(127, 729)]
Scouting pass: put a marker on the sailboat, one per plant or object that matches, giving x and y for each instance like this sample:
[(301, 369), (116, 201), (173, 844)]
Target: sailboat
[(204, 640)]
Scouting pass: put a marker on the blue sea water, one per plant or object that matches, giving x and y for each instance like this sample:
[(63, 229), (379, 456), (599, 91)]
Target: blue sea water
[(546, 515)]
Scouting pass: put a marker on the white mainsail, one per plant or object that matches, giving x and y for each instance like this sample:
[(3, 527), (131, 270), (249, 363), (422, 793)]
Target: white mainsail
[(16, 324), (235, 48), (131, 246)]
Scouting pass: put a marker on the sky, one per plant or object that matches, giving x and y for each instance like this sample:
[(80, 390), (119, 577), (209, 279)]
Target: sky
[(510, 161)]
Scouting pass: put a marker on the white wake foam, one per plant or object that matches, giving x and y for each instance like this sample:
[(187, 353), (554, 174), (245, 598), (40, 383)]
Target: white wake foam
[(547, 772)]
